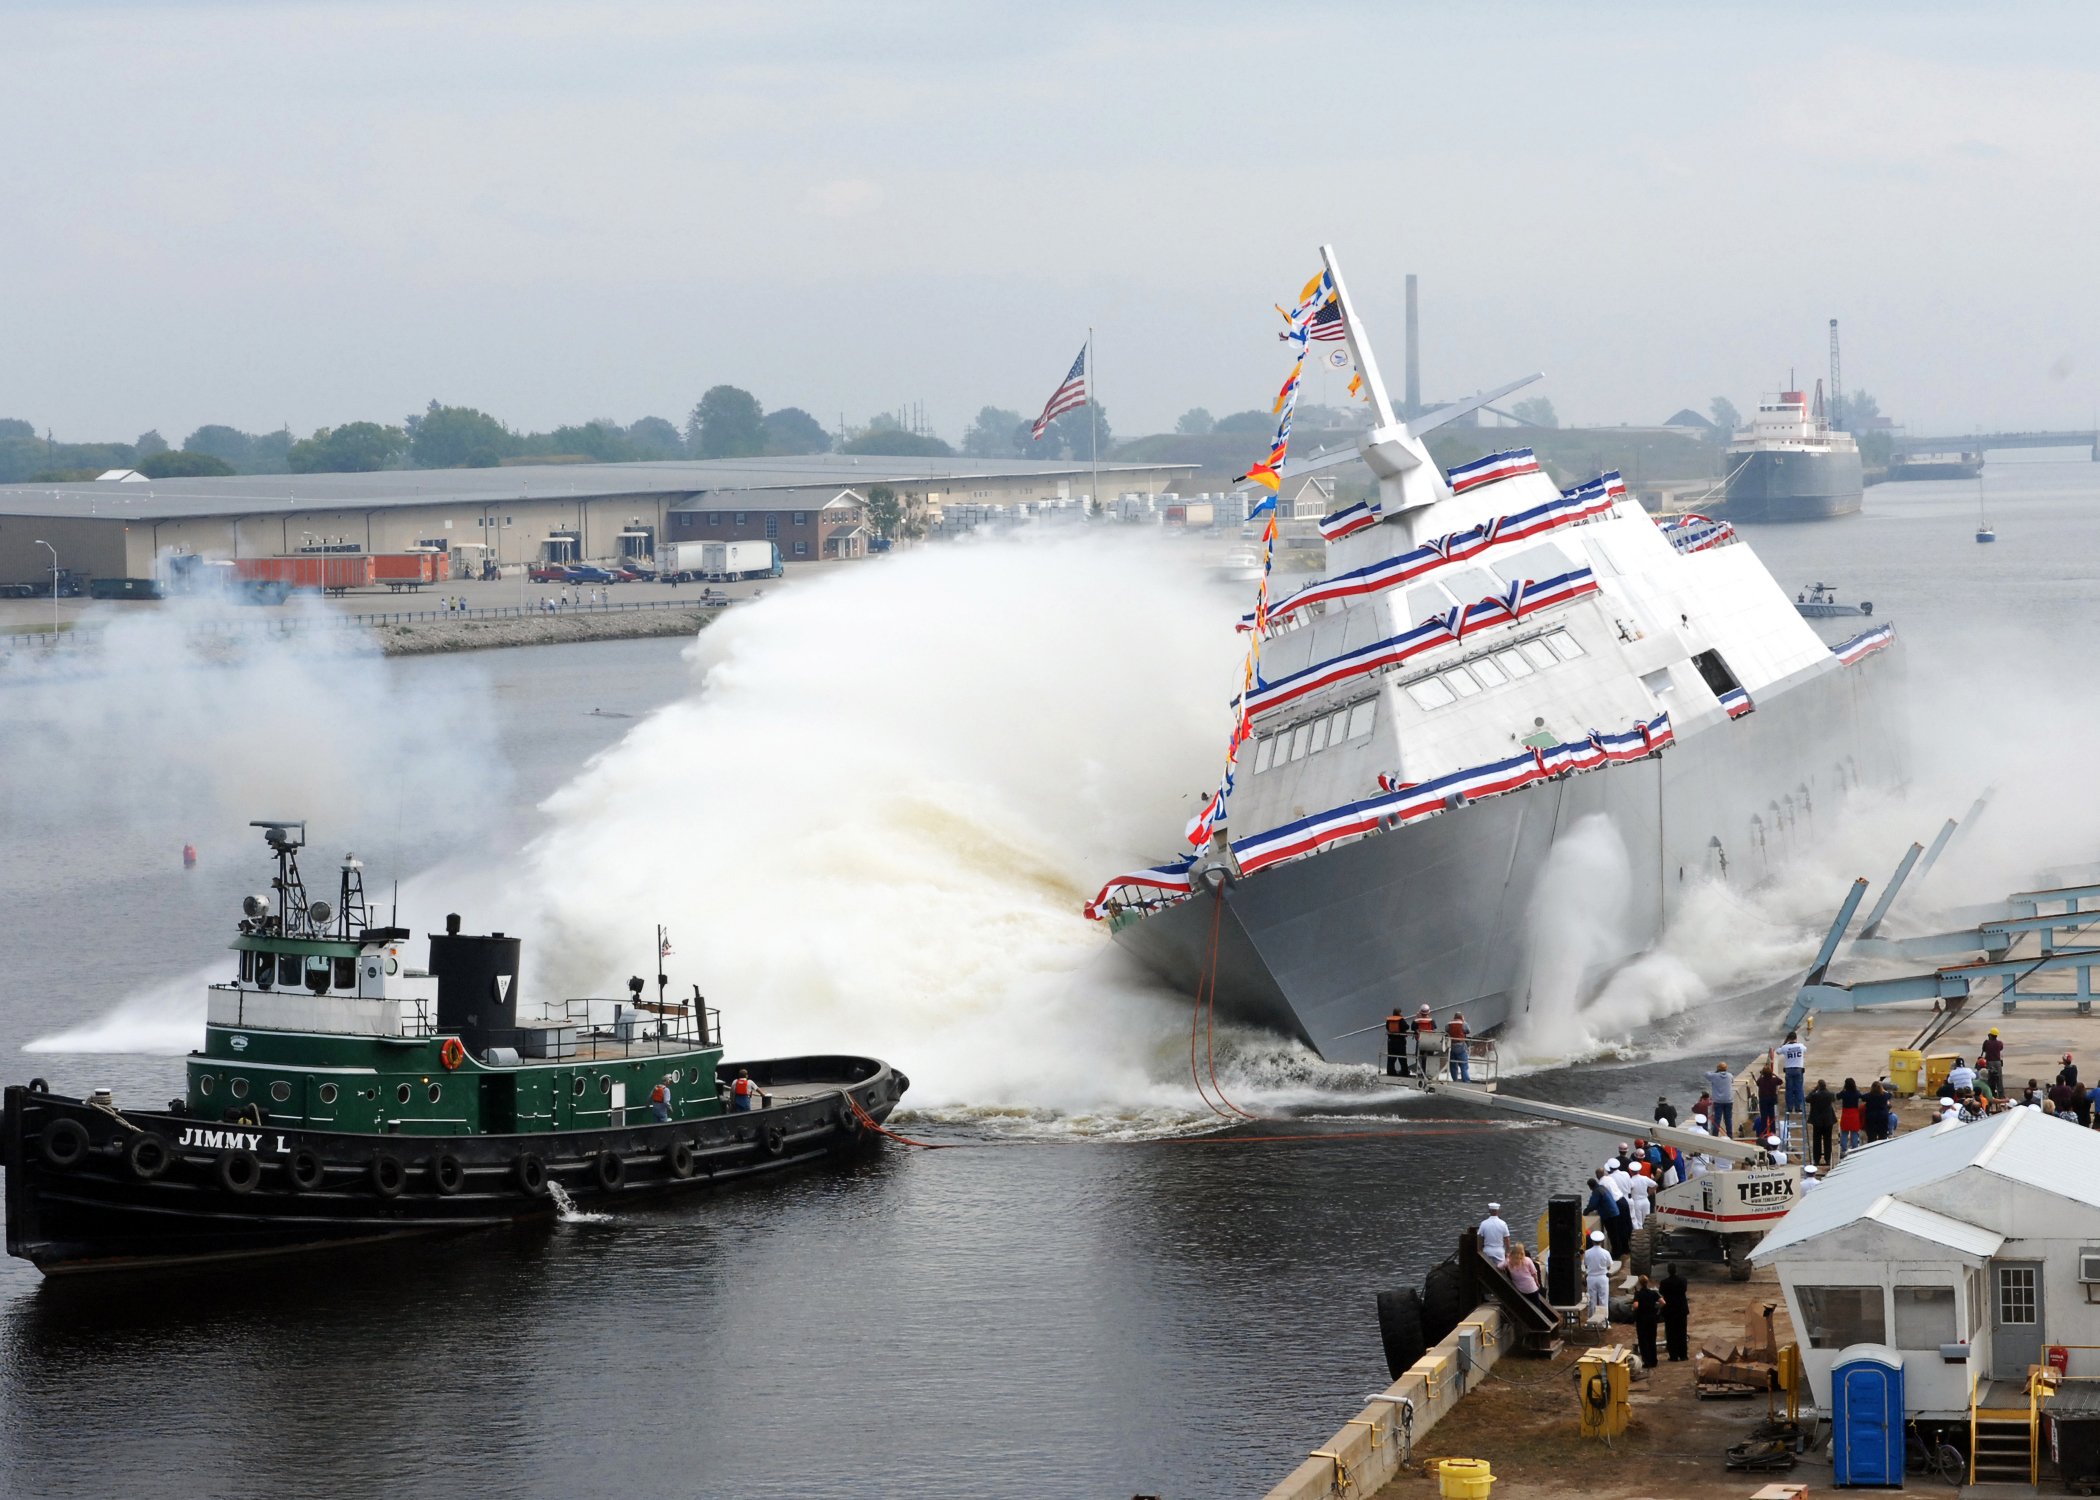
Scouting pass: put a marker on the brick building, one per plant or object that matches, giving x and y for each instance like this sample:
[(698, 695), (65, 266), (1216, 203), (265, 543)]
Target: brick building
[(815, 525)]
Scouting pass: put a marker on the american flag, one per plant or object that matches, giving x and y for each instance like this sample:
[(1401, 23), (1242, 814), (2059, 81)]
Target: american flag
[(1067, 397), (1327, 322)]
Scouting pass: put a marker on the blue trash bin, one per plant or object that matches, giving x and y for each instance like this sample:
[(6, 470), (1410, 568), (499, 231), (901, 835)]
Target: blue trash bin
[(1866, 1416)]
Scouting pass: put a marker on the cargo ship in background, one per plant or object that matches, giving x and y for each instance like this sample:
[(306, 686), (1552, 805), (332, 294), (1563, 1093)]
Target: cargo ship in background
[(1790, 465), (1500, 696)]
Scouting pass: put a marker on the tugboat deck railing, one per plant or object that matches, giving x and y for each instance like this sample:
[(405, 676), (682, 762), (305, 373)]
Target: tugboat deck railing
[(404, 1016)]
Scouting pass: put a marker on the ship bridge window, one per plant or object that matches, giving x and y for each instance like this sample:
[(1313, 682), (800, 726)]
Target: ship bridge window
[(289, 967), (1264, 753), (1486, 670), (1538, 653), (346, 973), (318, 973), (1430, 693), (1319, 737), (1337, 727), (1299, 736), (1460, 681), (1514, 664), (247, 966), (1563, 645), (1362, 717), (1536, 563), (1715, 672)]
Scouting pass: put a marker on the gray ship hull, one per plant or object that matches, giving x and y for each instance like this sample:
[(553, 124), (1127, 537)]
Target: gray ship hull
[(1439, 912), (1786, 485)]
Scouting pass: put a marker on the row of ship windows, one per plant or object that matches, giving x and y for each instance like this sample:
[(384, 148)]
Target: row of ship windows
[(280, 1091), (1351, 723), (1492, 671)]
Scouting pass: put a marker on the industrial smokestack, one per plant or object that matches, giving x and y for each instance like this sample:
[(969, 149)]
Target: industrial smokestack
[(1414, 353)]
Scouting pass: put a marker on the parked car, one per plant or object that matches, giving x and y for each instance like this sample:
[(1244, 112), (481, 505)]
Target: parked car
[(629, 573), (548, 573), (586, 573)]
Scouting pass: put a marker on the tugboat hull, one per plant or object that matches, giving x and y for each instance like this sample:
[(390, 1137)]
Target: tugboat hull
[(93, 1188)]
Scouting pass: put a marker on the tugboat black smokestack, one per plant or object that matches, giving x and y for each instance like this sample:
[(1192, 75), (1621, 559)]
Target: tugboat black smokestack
[(477, 986), (452, 924)]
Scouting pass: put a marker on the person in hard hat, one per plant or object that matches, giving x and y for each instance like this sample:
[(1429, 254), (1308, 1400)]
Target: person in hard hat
[(1494, 1236), (1809, 1180), (1396, 1044), (1993, 1055), (1596, 1267)]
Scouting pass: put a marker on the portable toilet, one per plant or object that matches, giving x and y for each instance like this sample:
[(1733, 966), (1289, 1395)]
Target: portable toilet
[(1866, 1416)]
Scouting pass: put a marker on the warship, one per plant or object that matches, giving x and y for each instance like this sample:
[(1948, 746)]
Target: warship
[(340, 1096), (1790, 465), (1491, 664)]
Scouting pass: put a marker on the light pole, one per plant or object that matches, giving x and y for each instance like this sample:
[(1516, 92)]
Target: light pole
[(54, 584)]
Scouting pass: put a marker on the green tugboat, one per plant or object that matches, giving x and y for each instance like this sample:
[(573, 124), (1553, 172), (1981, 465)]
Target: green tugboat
[(341, 1095)]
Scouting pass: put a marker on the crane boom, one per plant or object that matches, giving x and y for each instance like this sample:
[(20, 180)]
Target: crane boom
[(1619, 1127)]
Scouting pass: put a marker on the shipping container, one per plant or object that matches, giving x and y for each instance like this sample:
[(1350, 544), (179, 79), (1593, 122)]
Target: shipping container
[(718, 562), (410, 569), (332, 573)]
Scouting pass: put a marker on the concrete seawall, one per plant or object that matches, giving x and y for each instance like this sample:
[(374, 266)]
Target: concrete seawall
[(1370, 1448), (424, 638)]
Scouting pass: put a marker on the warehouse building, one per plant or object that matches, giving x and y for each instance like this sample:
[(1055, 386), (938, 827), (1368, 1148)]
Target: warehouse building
[(513, 516)]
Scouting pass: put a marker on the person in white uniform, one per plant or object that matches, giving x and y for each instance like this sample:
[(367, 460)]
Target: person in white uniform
[(1808, 1180), (1637, 1189), (1596, 1266), (1494, 1236)]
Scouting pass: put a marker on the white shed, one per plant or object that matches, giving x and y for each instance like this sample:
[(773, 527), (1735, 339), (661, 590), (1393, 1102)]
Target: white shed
[(1968, 1248)]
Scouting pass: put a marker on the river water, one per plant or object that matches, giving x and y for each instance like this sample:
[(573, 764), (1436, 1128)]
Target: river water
[(1098, 1294)]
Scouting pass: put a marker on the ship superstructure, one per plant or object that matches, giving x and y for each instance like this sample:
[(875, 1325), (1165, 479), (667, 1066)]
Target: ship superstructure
[(1489, 662), (1789, 464)]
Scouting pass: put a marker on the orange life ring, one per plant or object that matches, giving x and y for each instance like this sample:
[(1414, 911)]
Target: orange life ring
[(452, 1054)]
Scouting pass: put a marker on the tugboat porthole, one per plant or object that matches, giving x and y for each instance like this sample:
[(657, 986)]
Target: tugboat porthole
[(328, 1092), (604, 1083), (401, 1093), (238, 1088), (578, 1089), (204, 1083), (437, 1092), (280, 1091)]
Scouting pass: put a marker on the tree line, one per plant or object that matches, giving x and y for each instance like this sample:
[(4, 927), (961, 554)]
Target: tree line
[(726, 422)]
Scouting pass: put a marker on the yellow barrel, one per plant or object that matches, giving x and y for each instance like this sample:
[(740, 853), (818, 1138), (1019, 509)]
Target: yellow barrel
[(1937, 1067), (1907, 1070), (1464, 1478)]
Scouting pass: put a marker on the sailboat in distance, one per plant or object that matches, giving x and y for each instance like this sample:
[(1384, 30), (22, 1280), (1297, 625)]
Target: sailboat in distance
[(1985, 532), (1496, 683)]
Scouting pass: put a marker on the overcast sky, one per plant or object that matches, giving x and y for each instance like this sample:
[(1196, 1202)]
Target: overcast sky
[(302, 213)]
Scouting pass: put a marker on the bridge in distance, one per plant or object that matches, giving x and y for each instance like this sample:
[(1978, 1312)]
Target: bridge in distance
[(1976, 444)]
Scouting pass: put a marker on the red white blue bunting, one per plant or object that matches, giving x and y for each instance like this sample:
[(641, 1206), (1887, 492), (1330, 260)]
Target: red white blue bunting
[(1160, 885), (1583, 503), (1495, 466), (1862, 646), (1349, 520), (1403, 804), (1521, 600), (1692, 532), (1737, 702)]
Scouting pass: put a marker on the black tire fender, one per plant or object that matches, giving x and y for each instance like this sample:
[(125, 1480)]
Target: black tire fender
[(240, 1172), (773, 1141), (679, 1159), (63, 1143), (39, 1086), (610, 1169), (530, 1173), (1400, 1330), (1443, 1302), (389, 1177), (147, 1156), (305, 1170), (446, 1174)]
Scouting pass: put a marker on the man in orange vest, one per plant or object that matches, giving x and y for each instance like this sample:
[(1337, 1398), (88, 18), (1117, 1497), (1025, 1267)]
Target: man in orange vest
[(660, 1101), (1396, 1044), (1461, 1055), (740, 1091)]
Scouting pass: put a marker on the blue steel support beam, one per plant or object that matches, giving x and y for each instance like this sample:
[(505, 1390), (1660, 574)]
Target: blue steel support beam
[(1939, 847), (1890, 891)]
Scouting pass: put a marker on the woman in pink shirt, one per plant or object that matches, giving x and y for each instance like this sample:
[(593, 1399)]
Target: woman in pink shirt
[(1523, 1274)]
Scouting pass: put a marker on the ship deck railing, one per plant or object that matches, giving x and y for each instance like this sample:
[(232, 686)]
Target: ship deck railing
[(624, 1028)]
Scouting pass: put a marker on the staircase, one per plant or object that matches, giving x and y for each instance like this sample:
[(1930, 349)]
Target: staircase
[(2001, 1435)]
